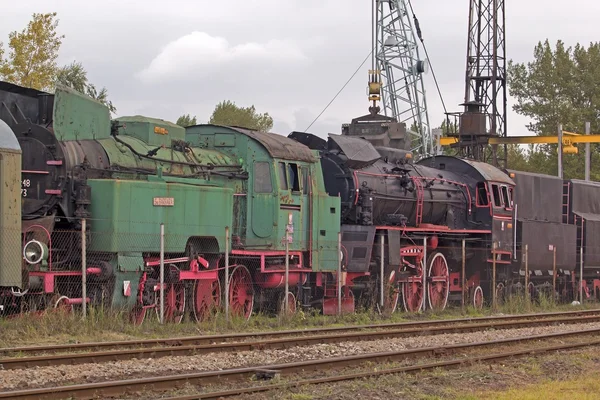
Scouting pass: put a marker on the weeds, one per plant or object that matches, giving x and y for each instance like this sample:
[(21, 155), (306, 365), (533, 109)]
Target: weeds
[(56, 326)]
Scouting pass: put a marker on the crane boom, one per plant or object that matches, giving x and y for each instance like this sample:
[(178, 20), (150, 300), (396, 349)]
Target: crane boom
[(396, 74)]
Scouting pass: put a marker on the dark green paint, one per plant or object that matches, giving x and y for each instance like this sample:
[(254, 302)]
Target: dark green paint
[(122, 156), (265, 215), (155, 132), (79, 117), (125, 219)]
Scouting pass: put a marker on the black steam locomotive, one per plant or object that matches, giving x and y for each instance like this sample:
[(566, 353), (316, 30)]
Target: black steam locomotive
[(416, 222), (420, 212)]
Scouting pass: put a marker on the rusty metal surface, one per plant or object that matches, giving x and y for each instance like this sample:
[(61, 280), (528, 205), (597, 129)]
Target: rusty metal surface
[(464, 166), (117, 388), (360, 152), (277, 343), (530, 188), (18, 103), (537, 235), (279, 146), (489, 172), (584, 196)]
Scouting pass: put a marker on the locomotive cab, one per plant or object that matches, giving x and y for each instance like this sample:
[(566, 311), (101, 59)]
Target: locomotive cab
[(492, 198)]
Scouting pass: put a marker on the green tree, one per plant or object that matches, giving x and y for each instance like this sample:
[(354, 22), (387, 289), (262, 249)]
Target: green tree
[(185, 120), (74, 76), (32, 53), (227, 113), (558, 87), (449, 126)]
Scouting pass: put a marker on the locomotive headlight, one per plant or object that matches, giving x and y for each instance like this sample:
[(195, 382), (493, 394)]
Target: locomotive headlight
[(35, 252)]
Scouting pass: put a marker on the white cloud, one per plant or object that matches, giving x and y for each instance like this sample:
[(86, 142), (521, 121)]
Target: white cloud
[(200, 53)]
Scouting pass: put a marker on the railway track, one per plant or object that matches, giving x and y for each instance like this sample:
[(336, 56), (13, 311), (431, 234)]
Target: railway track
[(224, 338), (123, 387), (287, 339)]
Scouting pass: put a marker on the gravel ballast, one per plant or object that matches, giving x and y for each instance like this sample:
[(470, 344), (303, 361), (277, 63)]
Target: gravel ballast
[(117, 370)]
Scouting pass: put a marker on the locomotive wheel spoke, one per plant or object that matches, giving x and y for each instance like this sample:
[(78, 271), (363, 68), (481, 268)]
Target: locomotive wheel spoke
[(413, 292), (291, 299), (439, 286), (61, 305), (241, 292), (174, 302), (207, 298), (412, 295), (391, 295), (477, 298), (500, 293), (138, 315)]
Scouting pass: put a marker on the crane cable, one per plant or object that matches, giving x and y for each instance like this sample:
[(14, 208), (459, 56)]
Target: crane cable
[(340, 91), (418, 28)]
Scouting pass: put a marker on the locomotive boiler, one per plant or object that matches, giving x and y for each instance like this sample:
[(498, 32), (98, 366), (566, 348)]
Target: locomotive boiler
[(382, 186)]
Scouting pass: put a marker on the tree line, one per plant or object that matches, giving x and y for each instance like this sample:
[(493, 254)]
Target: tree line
[(559, 85), (31, 60)]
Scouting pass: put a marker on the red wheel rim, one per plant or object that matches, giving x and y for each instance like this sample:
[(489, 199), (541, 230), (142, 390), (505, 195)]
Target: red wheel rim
[(531, 288), (391, 295), (412, 295), (291, 299), (439, 282), (138, 314), (61, 305), (174, 302), (241, 292), (412, 291), (207, 298), (499, 292), (478, 298)]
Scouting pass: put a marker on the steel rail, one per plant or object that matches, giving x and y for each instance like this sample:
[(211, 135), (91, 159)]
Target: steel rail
[(455, 363), (220, 338), (277, 343), (122, 387)]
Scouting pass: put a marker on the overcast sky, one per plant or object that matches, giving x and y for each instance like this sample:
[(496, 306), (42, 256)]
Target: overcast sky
[(287, 57)]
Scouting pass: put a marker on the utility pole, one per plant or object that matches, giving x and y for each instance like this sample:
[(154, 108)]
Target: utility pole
[(587, 153)]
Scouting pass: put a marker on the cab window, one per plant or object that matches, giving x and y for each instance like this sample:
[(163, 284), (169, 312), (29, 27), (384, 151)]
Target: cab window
[(482, 196), (262, 178), (505, 197), (496, 195), (283, 182), (305, 180), (294, 178)]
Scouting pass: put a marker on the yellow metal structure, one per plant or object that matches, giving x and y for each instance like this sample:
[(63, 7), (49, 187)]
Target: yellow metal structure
[(374, 85), (569, 140)]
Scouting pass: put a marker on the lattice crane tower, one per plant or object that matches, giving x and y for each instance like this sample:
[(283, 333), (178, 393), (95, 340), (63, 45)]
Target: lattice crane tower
[(396, 71), (484, 114)]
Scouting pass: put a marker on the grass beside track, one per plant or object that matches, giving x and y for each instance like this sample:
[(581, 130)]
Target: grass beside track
[(102, 325), (583, 388), (554, 376)]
